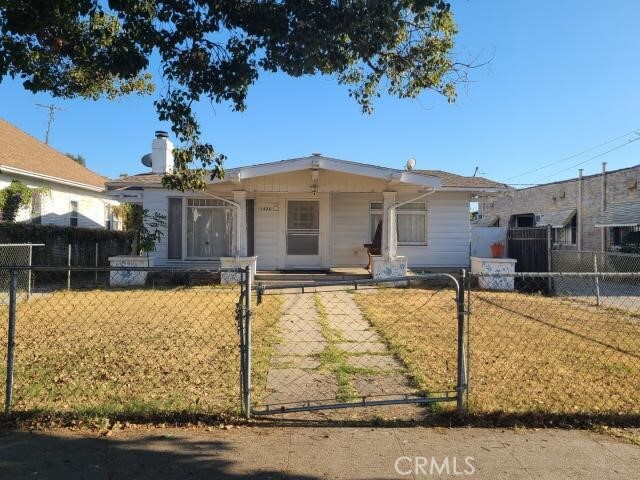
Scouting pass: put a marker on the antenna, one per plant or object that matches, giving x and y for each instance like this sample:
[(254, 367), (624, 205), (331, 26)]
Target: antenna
[(52, 113)]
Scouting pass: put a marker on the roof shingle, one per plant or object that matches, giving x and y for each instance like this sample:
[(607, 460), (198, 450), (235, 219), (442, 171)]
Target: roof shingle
[(22, 151)]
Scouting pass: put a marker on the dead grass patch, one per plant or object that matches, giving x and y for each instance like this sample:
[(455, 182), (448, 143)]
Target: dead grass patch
[(138, 352), (528, 353)]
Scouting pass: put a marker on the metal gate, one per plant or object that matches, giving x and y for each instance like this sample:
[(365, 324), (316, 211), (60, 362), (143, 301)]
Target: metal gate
[(365, 343)]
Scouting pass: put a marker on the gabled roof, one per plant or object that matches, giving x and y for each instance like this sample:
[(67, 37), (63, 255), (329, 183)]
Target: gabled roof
[(620, 215), (430, 178), (22, 154)]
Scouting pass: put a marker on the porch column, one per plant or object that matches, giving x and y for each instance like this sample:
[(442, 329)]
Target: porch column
[(389, 238), (240, 197)]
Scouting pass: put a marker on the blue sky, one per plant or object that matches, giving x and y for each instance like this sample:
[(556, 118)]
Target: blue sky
[(563, 77)]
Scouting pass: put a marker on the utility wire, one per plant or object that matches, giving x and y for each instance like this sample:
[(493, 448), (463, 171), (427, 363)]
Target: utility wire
[(555, 162), (592, 158)]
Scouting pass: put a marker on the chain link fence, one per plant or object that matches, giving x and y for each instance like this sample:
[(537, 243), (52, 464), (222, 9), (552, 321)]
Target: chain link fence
[(181, 342), (359, 344), (573, 352)]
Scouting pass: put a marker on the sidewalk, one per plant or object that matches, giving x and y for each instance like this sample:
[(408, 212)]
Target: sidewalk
[(314, 453)]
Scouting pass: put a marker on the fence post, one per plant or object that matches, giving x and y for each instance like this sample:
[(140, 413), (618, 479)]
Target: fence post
[(549, 246), (11, 341), (247, 373), (69, 265), (595, 269), (96, 272), (462, 377)]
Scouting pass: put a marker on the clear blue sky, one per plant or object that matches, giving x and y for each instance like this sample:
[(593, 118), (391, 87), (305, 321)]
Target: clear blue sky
[(563, 77)]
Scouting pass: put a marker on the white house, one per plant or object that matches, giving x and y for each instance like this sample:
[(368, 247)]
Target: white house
[(312, 212), (75, 195)]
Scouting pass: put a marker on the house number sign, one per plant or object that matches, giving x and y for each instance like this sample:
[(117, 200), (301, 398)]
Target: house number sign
[(269, 208)]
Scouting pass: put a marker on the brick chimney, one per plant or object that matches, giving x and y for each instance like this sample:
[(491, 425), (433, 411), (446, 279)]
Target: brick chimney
[(161, 153)]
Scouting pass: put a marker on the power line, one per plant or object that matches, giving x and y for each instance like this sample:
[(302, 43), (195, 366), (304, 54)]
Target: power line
[(555, 162), (593, 158), (52, 113)]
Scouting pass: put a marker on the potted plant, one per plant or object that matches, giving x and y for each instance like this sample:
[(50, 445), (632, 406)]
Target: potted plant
[(147, 232), (497, 249)]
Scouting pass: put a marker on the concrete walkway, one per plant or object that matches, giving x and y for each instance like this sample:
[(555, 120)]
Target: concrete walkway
[(317, 453), (329, 352)]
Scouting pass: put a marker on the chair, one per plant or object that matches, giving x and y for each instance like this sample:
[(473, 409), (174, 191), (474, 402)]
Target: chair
[(375, 247)]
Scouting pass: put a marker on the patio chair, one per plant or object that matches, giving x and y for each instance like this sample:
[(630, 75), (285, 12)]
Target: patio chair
[(375, 247)]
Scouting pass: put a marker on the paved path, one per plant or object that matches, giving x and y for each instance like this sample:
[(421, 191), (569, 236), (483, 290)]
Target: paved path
[(316, 453), (329, 352)]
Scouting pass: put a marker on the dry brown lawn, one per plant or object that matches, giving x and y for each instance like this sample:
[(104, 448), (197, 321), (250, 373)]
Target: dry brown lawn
[(527, 352), (131, 351)]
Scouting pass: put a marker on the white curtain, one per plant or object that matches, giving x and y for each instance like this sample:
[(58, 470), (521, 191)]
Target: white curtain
[(411, 228), (209, 232)]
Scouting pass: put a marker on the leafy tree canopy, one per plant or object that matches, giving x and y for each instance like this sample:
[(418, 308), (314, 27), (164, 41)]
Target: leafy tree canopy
[(77, 158), (216, 49), (15, 196)]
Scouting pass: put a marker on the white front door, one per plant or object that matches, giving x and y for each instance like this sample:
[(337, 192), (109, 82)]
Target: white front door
[(303, 234)]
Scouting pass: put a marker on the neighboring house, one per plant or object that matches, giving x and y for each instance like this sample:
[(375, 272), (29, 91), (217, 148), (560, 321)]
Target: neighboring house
[(75, 195), (592, 212), (311, 212)]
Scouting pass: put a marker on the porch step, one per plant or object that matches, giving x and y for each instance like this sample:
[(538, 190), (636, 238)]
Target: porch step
[(307, 278)]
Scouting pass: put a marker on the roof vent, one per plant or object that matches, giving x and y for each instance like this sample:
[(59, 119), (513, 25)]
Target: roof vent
[(316, 154), (161, 134)]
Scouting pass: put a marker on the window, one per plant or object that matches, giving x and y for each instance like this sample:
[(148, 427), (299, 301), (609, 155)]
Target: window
[(565, 235), (73, 213), (36, 208), (411, 222), (209, 228)]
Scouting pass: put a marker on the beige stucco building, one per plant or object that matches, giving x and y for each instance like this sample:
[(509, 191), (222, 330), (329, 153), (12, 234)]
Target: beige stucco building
[(591, 212)]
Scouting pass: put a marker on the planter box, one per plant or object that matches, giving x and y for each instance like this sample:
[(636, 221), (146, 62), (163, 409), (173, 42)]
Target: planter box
[(494, 265), (233, 263), (382, 268), (128, 278)]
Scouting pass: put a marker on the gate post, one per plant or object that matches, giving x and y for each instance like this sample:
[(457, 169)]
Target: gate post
[(461, 386), (11, 341), (247, 363)]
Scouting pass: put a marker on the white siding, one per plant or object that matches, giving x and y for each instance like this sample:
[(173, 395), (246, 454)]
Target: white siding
[(56, 204), (267, 231), (448, 233), (350, 225), (447, 230)]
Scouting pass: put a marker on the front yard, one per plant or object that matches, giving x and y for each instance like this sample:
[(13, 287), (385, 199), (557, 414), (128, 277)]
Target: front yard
[(130, 351), (527, 352)]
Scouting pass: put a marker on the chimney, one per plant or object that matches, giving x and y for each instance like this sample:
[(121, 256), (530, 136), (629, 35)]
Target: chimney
[(161, 153)]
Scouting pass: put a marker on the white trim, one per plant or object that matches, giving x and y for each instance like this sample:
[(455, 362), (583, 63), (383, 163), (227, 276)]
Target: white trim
[(40, 176), (332, 164)]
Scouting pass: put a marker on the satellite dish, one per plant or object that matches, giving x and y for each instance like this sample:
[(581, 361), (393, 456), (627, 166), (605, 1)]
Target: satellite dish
[(146, 160), (411, 164)]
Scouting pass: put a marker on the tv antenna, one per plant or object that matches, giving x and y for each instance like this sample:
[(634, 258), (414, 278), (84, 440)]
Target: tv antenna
[(52, 113)]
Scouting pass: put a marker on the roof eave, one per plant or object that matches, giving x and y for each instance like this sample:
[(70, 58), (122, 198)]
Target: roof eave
[(49, 178)]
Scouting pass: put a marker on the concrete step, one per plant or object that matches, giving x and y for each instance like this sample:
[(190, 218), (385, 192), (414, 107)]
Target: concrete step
[(306, 277)]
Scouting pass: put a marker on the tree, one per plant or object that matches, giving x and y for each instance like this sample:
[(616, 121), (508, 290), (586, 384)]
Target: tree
[(77, 158), (216, 49)]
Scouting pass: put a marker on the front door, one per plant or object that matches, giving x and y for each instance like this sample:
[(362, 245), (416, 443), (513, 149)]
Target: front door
[(303, 234)]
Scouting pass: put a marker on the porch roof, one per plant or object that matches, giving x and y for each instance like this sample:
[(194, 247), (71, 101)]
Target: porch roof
[(320, 162), (557, 219), (437, 179)]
